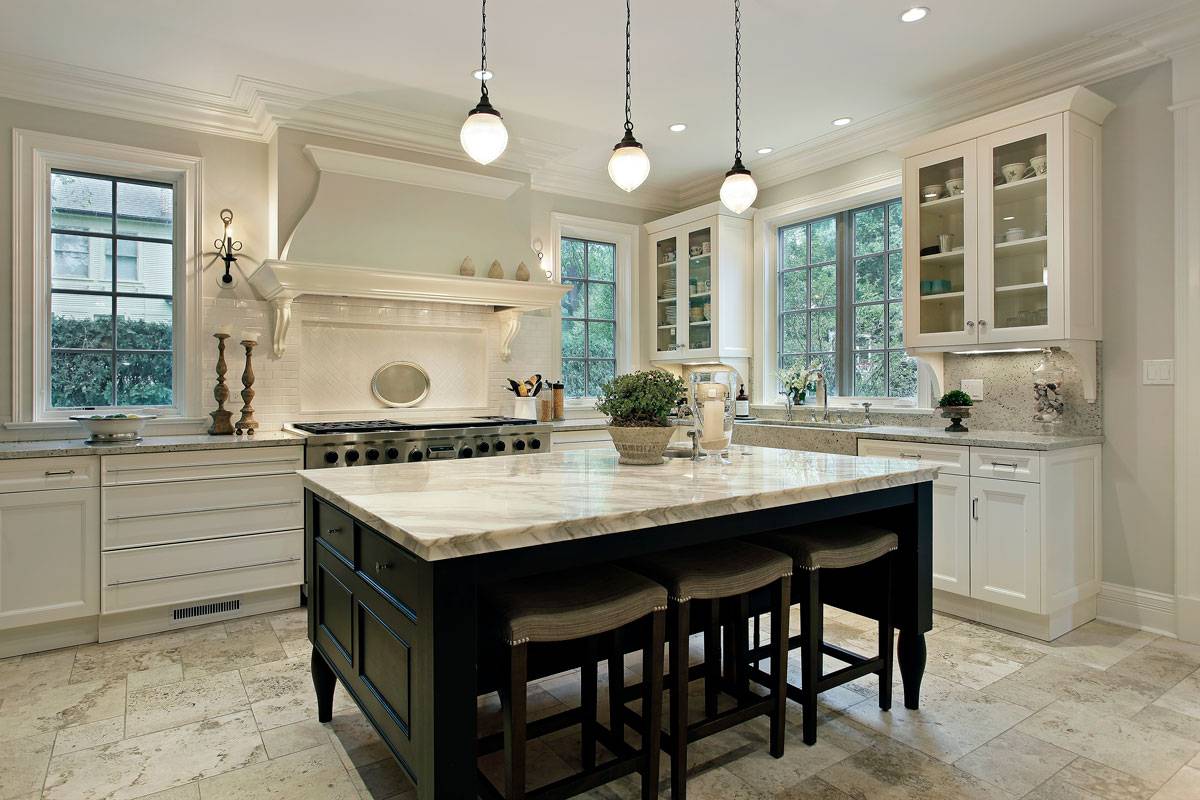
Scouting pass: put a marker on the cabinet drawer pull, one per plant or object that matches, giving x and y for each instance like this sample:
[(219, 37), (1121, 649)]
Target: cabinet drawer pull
[(911, 455), (380, 566), (204, 572), (204, 510), (59, 473), (333, 531), (975, 508), (1004, 464)]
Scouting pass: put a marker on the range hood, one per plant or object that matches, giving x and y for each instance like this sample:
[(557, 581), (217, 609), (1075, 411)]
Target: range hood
[(347, 218)]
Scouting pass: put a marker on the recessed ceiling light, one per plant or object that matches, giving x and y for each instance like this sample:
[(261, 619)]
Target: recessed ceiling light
[(677, 127), (482, 75), (840, 121), (762, 151), (914, 14)]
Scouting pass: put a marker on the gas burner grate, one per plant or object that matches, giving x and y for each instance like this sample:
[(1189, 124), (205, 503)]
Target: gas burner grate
[(353, 426)]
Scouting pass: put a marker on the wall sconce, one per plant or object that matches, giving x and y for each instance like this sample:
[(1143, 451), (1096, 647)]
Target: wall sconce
[(541, 256), (227, 247)]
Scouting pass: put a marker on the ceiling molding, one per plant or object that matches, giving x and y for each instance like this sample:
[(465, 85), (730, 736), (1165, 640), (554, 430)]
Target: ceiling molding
[(594, 184), (362, 165)]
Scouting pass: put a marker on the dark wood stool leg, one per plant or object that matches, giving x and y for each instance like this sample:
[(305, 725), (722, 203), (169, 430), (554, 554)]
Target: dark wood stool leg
[(616, 682), (885, 635), (679, 700), (324, 682), (712, 658), (652, 700), (587, 701), (513, 703), (741, 640), (811, 636), (781, 603)]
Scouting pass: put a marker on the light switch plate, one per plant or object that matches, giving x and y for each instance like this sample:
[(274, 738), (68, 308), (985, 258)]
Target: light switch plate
[(1158, 371), (973, 386)]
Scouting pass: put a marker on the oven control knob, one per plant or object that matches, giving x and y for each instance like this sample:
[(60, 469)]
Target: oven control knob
[(484, 447), (535, 444), (465, 452), (519, 444), (501, 447), (331, 457), (415, 455), (393, 453), (372, 454), (351, 456)]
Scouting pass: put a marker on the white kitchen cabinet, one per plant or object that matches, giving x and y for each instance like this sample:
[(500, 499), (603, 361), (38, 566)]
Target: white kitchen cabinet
[(1016, 533), (701, 290), (1002, 227)]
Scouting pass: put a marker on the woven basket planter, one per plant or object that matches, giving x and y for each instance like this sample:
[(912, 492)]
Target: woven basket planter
[(644, 446)]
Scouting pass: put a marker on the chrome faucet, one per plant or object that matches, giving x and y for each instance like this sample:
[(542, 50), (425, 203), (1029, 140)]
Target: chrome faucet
[(787, 405), (823, 390)]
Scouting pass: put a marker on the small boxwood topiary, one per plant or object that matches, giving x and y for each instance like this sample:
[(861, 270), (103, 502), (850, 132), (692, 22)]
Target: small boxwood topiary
[(640, 399), (955, 398)]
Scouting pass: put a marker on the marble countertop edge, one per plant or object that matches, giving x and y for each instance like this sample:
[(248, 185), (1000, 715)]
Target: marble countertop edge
[(52, 448)]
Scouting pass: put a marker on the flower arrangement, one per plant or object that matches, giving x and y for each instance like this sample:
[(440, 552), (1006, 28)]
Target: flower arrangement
[(797, 378)]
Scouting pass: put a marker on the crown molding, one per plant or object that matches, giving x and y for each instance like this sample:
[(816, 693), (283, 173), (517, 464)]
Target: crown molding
[(362, 165), (594, 184)]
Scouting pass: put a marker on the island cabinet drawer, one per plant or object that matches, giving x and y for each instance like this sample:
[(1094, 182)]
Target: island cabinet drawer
[(158, 513), (197, 464), (953, 459), (335, 529), (145, 577), (389, 567), (1013, 465), (35, 474)]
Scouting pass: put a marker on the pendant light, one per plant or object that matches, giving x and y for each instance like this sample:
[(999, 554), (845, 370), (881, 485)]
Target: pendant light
[(483, 135), (739, 189), (629, 165)]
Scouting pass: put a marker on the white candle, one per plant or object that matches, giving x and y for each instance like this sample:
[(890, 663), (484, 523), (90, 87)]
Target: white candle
[(712, 418), (225, 329), (249, 336)]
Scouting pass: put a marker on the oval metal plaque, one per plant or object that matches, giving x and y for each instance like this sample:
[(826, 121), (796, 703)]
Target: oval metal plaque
[(400, 384)]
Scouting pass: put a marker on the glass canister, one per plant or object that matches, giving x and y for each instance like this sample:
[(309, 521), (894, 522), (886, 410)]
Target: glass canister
[(713, 406), (1048, 394)]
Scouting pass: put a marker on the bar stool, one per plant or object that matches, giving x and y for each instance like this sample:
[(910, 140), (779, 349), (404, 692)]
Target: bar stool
[(722, 571), (579, 604), (835, 545)]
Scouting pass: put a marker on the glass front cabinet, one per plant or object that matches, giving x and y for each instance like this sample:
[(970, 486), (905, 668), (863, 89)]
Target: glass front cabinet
[(1002, 245), (701, 287)]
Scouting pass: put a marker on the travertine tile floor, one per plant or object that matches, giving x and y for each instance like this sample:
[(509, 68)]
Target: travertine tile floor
[(226, 711)]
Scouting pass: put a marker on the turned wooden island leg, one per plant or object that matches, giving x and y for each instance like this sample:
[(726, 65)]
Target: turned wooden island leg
[(324, 681), (910, 650)]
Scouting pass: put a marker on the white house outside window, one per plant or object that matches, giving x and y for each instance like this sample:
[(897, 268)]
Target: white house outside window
[(589, 330)]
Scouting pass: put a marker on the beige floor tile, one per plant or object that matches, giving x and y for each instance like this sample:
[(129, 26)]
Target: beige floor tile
[(1016, 762), (157, 761), (23, 765), (1052, 678), (1185, 785), (383, 780), (893, 771), (837, 739), (190, 700), (971, 666), (355, 741), (113, 659), (291, 624), (188, 791), (721, 784), (1114, 741), (952, 721), (1164, 719), (1183, 697), (33, 673), (156, 676), (233, 652), (1102, 782), (543, 766), (313, 774), (61, 707), (297, 648), (259, 623), (281, 692), (1162, 663), (293, 738), (90, 734), (1101, 644)]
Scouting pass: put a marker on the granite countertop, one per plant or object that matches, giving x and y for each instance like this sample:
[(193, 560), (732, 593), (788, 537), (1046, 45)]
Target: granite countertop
[(446, 509), (1015, 440), (150, 444)]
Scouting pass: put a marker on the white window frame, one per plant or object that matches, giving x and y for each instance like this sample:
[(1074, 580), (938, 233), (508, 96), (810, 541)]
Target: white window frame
[(767, 222), (625, 237), (35, 154)]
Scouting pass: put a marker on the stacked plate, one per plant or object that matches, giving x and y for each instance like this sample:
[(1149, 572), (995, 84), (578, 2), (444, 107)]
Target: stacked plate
[(669, 314)]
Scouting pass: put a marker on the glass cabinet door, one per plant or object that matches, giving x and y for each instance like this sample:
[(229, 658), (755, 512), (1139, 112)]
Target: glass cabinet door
[(1021, 238), (666, 292), (940, 240), (699, 289)]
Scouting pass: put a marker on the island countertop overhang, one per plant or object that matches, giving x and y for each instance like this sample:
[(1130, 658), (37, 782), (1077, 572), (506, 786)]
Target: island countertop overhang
[(452, 509)]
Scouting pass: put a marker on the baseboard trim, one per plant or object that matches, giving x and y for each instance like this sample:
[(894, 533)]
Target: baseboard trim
[(1154, 612)]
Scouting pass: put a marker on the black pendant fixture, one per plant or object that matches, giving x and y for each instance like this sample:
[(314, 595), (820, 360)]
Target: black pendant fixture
[(628, 166), (739, 189), (483, 135)]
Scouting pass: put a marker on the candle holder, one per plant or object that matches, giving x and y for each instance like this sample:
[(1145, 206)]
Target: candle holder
[(221, 424), (247, 423)]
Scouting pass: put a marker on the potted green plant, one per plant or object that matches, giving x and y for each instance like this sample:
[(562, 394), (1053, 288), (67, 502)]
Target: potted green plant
[(956, 406), (796, 379), (637, 405)]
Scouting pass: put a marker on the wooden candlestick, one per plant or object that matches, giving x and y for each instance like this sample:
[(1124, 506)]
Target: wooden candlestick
[(221, 425), (247, 423)]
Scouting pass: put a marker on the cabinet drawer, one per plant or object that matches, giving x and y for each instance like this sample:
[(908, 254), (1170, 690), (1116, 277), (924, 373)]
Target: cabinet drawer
[(35, 474), (335, 529), (195, 464), (389, 567), (158, 513), (953, 459), (1013, 465), (178, 573)]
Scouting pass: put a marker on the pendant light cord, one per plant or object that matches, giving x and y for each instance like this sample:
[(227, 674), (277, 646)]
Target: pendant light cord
[(483, 54), (737, 80), (628, 107)]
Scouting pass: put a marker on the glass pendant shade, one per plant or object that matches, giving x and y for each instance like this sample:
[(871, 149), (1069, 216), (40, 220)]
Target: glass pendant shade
[(483, 135), (739, 189), (629, 165)]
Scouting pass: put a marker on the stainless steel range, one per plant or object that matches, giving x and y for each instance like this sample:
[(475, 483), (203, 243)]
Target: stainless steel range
[(386, 441)]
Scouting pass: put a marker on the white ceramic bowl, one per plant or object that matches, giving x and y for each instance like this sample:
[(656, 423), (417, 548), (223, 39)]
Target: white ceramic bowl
[(103, 428)]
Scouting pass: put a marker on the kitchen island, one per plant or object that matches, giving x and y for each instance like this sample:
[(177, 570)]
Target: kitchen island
[(396, 556)]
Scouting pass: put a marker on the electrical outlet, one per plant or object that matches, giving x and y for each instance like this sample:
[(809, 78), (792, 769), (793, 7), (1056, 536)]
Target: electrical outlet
[(973, 386), (1158, 371)]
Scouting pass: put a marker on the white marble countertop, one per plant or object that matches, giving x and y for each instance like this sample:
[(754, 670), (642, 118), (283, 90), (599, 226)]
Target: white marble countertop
[(1015, 440), (149, 444), (446, 509), (581, 424)]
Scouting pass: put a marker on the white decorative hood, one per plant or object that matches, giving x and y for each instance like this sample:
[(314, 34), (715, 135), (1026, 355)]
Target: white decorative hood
[(366, 220)]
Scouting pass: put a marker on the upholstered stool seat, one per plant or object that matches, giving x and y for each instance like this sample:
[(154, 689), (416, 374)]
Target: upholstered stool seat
[(832, 545), (578, 605), (722, 572)]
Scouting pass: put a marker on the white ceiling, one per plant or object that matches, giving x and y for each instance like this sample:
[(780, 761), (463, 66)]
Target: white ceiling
[(559, 63)]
